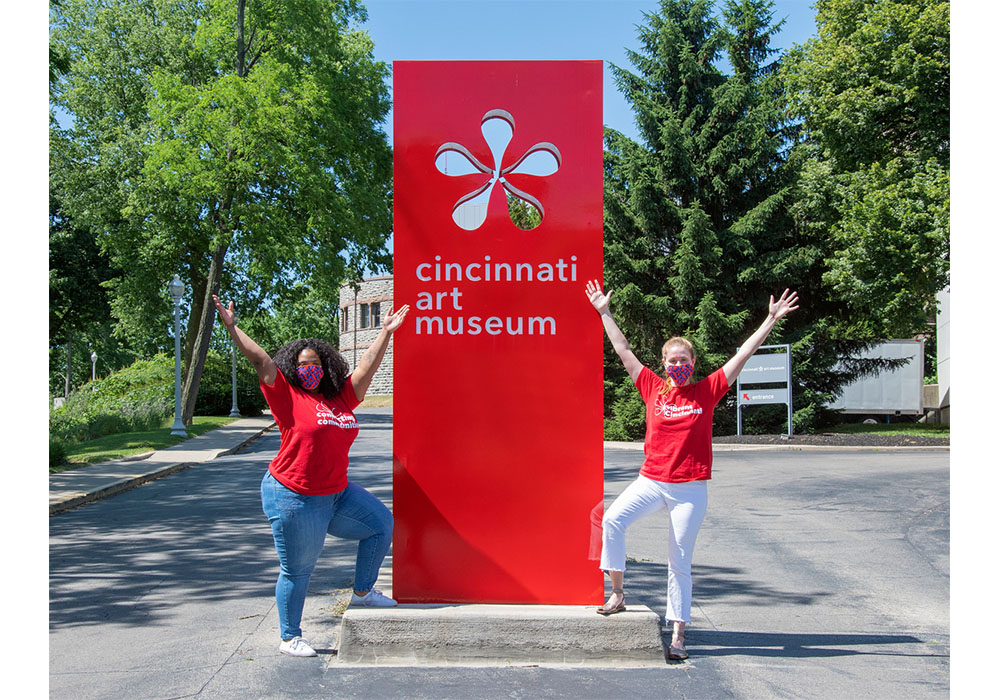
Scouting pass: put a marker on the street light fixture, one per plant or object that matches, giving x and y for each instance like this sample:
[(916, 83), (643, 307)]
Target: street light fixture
[(235, 411), (176, 288), (93, 369)]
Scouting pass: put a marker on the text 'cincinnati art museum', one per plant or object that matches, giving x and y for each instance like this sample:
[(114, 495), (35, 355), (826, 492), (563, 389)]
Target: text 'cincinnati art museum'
[(481, 271)]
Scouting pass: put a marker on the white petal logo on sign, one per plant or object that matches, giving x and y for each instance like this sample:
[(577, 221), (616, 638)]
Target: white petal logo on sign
[(454, 159)]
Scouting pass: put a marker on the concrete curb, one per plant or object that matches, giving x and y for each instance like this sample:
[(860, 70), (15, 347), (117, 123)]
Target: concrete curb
[(73, 499), (730, 447), (500, 635)]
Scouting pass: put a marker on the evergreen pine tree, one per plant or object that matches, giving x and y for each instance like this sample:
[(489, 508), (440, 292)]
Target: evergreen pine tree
[(697, 231)]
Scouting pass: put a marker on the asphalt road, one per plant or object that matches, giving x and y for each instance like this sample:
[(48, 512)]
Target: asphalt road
[(818, 574)]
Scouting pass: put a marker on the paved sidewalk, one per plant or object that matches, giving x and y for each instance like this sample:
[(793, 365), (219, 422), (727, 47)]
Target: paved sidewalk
[(75, 487)]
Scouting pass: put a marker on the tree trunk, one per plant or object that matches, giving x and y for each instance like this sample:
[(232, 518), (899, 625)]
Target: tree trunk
[(189, 393), (198, 283)]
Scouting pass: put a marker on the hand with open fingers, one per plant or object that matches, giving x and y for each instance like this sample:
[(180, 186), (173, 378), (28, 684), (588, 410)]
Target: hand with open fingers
[(395, 318), (227, 316), (598, 298), (787, 302)]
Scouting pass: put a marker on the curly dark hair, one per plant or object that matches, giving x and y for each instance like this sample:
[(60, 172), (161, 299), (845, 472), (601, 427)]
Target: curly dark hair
[(335, 368)]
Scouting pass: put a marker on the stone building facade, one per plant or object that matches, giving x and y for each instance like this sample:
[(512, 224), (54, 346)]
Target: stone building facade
[(360, 322)]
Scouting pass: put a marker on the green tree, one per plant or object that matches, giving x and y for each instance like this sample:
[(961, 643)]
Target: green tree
[(697, 224), (872, 91), (58, 62), (111, 49), (80, 320), (522, 214), (76, 271), (233, 141), (304, 313)]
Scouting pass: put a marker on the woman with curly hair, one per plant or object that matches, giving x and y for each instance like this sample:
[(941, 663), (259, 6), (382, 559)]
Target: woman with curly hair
[(678, 456), (306, 493)]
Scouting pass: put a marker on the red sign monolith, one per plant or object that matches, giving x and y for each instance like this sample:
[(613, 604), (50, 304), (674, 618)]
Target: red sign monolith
[(498, 479)]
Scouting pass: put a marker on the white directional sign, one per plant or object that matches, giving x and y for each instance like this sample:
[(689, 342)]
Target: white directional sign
[(765, 368)]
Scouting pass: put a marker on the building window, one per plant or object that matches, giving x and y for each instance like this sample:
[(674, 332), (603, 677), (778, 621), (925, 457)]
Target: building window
[(343, 319), (371, 315)]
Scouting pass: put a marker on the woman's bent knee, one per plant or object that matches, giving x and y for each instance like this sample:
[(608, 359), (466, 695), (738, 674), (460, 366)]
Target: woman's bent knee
[(610, 524)]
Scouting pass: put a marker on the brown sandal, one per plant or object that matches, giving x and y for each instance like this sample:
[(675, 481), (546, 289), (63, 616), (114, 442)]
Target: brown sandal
[(677, 652), (617, 608)]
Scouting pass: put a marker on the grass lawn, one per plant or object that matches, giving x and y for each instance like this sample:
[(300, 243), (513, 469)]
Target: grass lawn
[(376, 402), (919, 429), (127, 444)]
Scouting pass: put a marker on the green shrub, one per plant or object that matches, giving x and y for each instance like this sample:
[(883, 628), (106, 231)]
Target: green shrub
[(141, 397), (68, 423), (141, 382), (767, 419), (57, 452), (215, 392), (138, 397), (628, 414), (85, 417)]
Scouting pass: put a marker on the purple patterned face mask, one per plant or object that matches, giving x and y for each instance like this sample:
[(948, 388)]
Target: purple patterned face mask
[(680, 373), (309, 376)]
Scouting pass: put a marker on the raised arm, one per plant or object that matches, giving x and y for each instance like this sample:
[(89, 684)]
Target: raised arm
[(267, 371), (601, 303), (776, 309), (362, 376)]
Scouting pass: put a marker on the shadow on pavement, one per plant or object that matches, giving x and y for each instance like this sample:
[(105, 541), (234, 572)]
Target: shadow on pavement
[(370, 420), (778, 645), (198, 536), (646, 583), (620, 469)]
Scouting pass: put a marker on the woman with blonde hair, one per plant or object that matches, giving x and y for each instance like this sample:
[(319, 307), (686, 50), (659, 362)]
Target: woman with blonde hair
[(678, 456)]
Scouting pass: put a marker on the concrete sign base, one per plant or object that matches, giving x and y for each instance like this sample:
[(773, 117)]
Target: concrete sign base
[(500, 635)]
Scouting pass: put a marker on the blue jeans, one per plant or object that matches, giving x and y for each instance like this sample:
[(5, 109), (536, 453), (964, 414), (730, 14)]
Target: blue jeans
[(300, 524)]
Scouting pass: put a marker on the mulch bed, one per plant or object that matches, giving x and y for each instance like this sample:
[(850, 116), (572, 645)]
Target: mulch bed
[(835, 440)]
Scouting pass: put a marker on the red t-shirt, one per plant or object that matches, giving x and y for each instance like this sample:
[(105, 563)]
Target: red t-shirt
[(678, 443), (316, 434)]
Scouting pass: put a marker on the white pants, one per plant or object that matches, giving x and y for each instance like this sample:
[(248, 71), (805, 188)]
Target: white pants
[(686, 503)]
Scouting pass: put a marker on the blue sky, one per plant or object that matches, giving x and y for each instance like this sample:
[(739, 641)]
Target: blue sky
[(453, 30), (480, 30)]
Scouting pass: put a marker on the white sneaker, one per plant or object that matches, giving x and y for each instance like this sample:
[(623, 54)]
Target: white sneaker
[(373, 599), (296, 646)]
